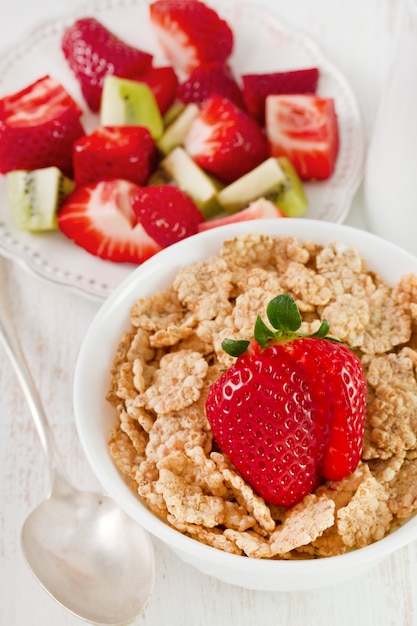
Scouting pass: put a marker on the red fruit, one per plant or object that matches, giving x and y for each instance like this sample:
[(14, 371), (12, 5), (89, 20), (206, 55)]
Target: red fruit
[(290, 412), (260, 209), (225, 141), (164, 82), (38, 126), (256, 87), (166, 213), (210, 78), (99, 218), (127, 152), (92, 52), (304, 129), (190, 33)]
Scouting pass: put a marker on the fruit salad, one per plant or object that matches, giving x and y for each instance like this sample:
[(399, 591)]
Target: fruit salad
[(265, 400), (230, 146)]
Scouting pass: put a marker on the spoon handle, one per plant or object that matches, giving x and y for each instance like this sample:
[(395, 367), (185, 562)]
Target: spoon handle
[(11, 343)]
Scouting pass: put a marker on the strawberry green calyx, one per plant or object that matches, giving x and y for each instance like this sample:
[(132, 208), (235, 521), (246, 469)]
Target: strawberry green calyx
[(284, 316)]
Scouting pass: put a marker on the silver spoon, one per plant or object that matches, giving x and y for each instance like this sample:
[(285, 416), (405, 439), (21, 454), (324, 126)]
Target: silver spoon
[(87, 554)]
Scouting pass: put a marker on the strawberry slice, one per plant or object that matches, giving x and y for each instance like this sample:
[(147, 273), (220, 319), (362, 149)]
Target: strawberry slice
[(164, 82), (38, 126), (256, 87), (166, 213), (190, 33), (224, 140), (92, 52), (259, 209), (108, 152), (304, 129), (207, 79), (100, 218)]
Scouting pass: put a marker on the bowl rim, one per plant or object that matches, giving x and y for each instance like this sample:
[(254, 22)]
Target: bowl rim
[(116, 307)]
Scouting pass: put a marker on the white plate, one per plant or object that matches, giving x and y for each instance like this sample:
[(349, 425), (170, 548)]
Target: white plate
[(263, 43)]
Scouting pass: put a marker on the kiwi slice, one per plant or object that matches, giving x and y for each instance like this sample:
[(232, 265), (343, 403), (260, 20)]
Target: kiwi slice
[(35, 197), (291, 200), (176, 131), (274, 179), (126, 102), (179, 168)]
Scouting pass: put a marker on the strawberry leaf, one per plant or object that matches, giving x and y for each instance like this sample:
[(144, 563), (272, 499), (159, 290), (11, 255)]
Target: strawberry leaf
[(234, 347), (283, 314), (322, 331), (262, 333)]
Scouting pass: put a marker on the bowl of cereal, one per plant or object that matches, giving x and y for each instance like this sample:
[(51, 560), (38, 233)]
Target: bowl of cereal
[(149, 357)]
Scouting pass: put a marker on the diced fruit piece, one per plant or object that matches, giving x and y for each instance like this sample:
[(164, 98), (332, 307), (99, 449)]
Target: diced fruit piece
[(99, 218), (304, 129), (290, 412), (224, 140), (257, 210), (35, 196), (173, 112), (274, 179), (38, 126), (127, 152), (179, 168), (266, 178), (128, 102), (166, 213), (215, 77), (93, 52), (175, 133), (256, 87), (190, 33), (291, 199), (164, 82)]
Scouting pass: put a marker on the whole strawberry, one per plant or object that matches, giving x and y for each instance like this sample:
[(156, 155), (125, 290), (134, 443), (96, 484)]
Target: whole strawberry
[(290, 412), (92, 52)]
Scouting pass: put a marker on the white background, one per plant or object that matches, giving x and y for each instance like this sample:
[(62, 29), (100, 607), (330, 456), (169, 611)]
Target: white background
[(357, 35)]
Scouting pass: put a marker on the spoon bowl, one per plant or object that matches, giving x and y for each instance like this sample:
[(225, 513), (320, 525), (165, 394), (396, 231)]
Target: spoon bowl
[(87, 553)]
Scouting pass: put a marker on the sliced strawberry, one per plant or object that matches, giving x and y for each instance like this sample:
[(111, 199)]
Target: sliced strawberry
[(259, 209), (225, 141), (127, 152), (38, 126), (164, 82), (256, 87), (207, 79), (304, 129), (166, 213), (92, 52), (190, 33), (99, 218)]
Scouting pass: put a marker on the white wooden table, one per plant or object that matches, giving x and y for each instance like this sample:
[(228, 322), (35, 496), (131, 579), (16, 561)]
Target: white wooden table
[(358, 36)]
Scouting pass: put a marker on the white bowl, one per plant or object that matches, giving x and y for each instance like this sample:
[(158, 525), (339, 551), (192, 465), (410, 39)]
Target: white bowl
[(95, 417)]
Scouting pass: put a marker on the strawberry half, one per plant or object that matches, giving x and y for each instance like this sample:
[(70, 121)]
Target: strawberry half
[(224, 140), (290, 412), (99, 218), (108, 152), (304, 129), (256, 87), (257, 210), (190, 33), (207, 79), (166, 213), (92, 52), (38, 126)]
